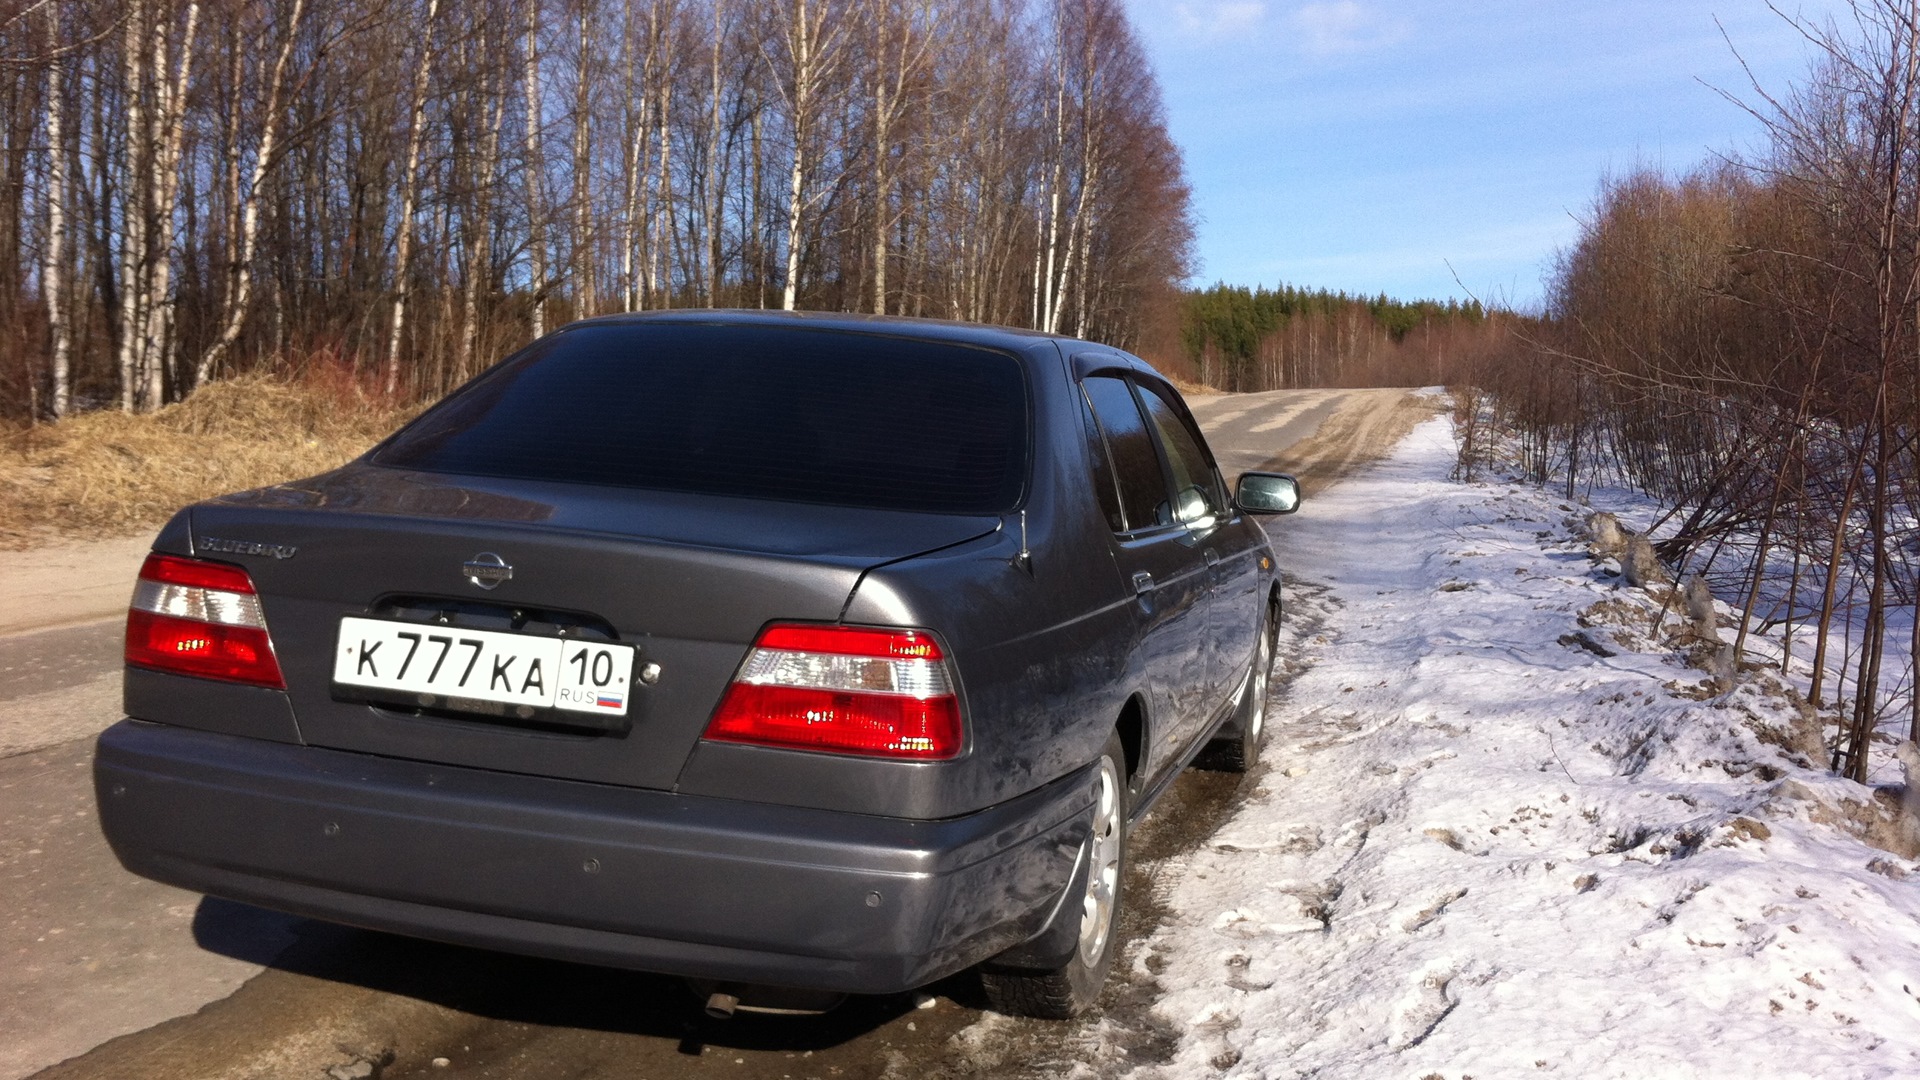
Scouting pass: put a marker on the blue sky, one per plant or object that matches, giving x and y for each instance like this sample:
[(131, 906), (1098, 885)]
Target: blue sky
[(1365, 145)]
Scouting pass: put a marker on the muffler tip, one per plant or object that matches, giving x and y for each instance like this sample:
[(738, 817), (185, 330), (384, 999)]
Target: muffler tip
[(721, 1005)]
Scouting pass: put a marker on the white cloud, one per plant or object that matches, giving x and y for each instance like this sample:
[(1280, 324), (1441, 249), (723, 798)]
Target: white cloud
[(1345, 26), (1216, 19)]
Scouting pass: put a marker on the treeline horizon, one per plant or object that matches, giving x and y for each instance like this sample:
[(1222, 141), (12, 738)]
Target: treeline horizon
[(413, 188), (1237, 338), (1742, 342)]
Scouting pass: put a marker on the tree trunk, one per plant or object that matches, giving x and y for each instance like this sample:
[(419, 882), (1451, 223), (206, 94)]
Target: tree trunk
[(53, 280), (534, 169), (240, 296), (409, 193)]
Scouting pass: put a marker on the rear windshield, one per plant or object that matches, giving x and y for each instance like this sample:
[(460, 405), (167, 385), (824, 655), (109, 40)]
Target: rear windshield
[(762, 412)]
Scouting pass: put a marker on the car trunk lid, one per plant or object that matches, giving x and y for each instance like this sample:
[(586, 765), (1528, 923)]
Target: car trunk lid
[(637, 567)]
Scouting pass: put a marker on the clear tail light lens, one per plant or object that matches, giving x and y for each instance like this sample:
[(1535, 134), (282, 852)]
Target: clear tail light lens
[(192, 617), (843, 690)]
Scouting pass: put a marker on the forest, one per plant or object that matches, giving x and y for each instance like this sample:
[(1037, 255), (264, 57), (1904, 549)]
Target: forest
[(1241, 339), (409, 189), (1742, 342)]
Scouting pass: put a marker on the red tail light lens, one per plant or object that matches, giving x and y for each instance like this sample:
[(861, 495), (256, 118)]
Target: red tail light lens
[(192, 617), (844, 690)]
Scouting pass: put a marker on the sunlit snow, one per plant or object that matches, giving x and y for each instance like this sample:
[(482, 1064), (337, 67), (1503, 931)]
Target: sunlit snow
[(1502, 829)]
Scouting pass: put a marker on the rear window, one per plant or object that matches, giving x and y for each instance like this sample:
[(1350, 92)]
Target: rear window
[(761, 412)]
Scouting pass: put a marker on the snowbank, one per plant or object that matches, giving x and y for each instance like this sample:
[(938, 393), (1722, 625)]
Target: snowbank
[(1503, 830)]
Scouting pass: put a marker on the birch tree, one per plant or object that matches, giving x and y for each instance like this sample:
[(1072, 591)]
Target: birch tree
[(265, 154), (410, 190), (807, 53)]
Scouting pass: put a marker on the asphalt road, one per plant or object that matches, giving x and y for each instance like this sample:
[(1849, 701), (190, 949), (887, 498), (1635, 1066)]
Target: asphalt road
[(109, 975)]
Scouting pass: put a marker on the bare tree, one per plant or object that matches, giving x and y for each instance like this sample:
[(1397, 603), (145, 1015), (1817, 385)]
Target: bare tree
[(409, 194)]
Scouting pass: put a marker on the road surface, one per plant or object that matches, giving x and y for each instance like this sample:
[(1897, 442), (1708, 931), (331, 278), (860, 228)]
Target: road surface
[(103, 974)]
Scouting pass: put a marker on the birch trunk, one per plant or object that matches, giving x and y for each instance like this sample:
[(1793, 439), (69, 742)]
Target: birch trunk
[(53, 279), (479, 268), (584, 286), (241, 294), (812, 53), (800, 101), (534, 169), (661, 241), (174, 77), (714, 179), (134, 165), (633, 117), (409, 193)]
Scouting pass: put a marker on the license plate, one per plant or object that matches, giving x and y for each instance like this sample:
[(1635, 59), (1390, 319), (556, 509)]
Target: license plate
[(483, 670)]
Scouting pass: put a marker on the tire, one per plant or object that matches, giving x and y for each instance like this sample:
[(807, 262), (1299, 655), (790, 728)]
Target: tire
[(1240, 752), (1069, 990)]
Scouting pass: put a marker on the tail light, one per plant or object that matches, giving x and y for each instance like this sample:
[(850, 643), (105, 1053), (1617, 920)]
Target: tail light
[(843, 690), (193, 617)]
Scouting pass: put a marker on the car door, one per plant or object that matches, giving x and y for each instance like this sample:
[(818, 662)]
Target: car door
[(1162, 560), (1230, 543)]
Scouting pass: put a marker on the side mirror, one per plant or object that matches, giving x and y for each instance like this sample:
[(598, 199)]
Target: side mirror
[(1267, 493)]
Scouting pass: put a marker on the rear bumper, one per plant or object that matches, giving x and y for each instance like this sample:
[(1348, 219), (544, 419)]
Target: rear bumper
[(649, 880)]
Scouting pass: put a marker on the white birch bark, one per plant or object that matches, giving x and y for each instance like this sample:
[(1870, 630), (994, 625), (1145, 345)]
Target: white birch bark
[(479, 269), (713, 207), (409, 195), (633, 112), (812, 40), (174, 76), (53, 278), (134, 162), (1049, 299), (661, 238), (240, 295), (903, 42), (583, 245), (535, 169)]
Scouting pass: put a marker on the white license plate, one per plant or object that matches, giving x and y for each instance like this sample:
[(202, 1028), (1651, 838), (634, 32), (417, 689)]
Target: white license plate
[(444, 662)]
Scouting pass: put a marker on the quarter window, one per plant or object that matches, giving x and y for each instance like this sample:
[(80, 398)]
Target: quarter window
[(1102, 470), (1136, 467)]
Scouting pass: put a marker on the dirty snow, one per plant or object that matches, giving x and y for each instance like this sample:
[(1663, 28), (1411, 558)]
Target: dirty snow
[(1502, 829)]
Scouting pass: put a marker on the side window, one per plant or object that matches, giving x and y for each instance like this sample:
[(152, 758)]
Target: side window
[(1136, 467), (1196, 485), (1102, 468)]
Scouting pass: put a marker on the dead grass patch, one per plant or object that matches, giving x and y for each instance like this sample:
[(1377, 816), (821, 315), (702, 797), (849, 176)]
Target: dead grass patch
[(109, 472), (1189, 388)]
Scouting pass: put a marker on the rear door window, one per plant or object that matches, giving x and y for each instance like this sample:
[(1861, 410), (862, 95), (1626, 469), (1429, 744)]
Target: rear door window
[(1136, 465), (762, 412)]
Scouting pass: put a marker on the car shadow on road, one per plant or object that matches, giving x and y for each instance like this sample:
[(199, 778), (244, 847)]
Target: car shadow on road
[(538, 992)]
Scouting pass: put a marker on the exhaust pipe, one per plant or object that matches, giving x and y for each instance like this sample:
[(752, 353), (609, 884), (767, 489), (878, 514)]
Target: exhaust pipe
[(721, 1004), (724, 999)]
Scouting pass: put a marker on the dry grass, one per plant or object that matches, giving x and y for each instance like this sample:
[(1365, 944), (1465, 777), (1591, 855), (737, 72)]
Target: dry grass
[(1189, 388), (108, 472)]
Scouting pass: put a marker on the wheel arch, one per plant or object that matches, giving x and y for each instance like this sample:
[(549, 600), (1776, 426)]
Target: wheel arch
[(1131, 726)]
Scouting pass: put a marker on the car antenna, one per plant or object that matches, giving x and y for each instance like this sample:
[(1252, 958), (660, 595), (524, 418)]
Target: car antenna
[(1025, 559)]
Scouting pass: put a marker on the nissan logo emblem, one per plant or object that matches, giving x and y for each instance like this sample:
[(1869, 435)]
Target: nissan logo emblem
[(487, 570)]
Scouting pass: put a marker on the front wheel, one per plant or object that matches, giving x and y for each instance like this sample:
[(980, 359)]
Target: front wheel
[(1070, 989)]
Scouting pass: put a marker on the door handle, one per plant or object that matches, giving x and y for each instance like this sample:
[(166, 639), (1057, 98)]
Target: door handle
[(1213, 558), (1142, 582)]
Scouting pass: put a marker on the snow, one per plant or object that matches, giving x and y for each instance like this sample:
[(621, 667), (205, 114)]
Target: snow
[(1502, 829)]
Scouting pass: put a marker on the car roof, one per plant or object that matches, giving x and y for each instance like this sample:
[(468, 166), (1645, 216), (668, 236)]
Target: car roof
[(1003, 337)]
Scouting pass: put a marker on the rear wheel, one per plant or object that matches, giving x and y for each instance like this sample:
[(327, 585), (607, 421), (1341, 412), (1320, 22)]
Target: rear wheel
[(1068, 990), (1240, 752)]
